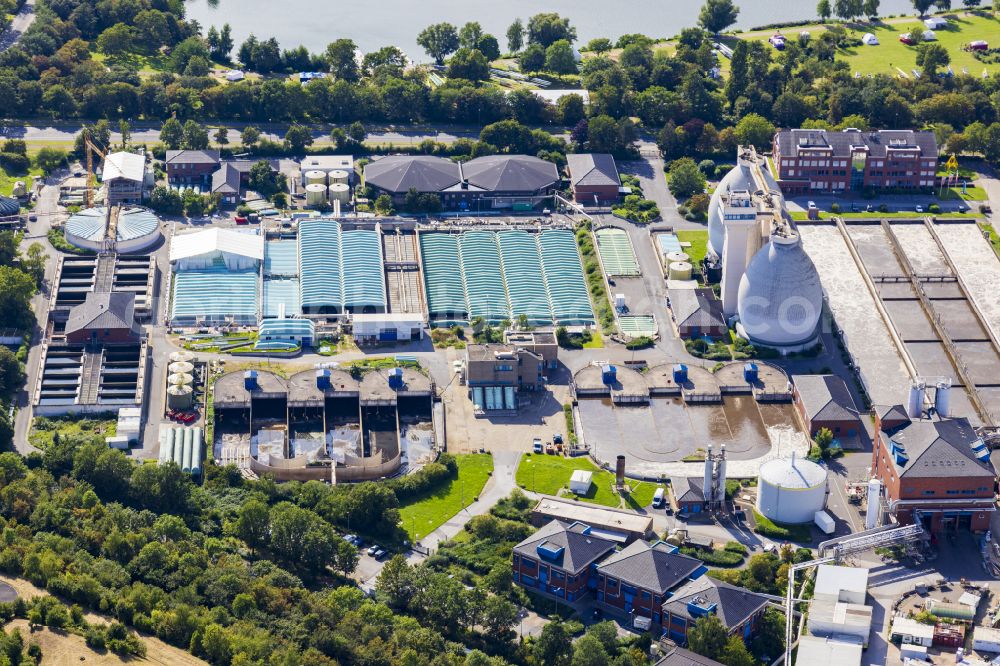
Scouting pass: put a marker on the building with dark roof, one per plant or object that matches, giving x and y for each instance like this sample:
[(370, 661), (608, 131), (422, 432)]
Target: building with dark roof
[(637, 580), (824, 401), (697, 313), (681, 657), (687, 495), (594, 178), (739, 610), (937, 468), (558, 559), (191, 167), (827, 161), (519, 182), (104, 317), (9, 206), (230, 179)]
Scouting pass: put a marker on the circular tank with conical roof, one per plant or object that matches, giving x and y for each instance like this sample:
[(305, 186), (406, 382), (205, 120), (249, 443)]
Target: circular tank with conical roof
[(673, 257), (738, 178), (180, 396), (679, 270), (315, 176), (181, 355), (180, 379), (791, 490), (315, 194), (9, 206), (338, 176), (780, 295), (340, 192), (180, 366)]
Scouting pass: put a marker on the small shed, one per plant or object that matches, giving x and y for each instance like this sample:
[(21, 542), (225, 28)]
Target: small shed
[(910, 632), (581, 481), (929, 36), (870, 39), (986, 639), (936, 23), (844, 584)]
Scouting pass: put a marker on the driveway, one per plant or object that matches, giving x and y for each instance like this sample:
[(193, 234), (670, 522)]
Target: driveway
[(18, 25)]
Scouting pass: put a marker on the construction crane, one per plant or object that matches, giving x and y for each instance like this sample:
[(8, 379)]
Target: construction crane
[(90, 149)]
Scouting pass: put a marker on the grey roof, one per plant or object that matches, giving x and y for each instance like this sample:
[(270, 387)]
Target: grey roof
[(106, 310), (688, 489), (891, 412), (733, 605), (192, 157), (580, 549), (592, 169), (842, 143), (825, 397), (510, 173), (696, 307), (656, 567), (937, 447), (682, 657), (226, 180), (9, 206), (399, 173)]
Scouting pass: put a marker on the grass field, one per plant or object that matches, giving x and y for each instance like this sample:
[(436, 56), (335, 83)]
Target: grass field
[(550, 474), (891, 55), (43, 429), (7, 180), (427, 513), (994, 239), (972, 193), (802, 216), (699, 245)]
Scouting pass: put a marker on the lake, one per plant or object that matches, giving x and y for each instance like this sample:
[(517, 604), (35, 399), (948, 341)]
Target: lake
[(316, 23)]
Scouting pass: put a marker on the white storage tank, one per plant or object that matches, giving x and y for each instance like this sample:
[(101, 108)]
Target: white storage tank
[(340, 192), (315, 194), (791, 490), (180, 356), (675, 257), (315, 176), (180, 379), (679, 270), (180, 396), (180, 366), (339, 176)]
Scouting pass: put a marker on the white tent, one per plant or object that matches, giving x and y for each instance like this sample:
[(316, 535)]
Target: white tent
[(929, 36), (581, 481), (936, 23), (870, 39)]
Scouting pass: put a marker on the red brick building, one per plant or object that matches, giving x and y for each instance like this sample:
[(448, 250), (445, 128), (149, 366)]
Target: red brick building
[(594, 178), (191, 167), (824, 401), (739, 610), (558, 559), (831, 162), (936, 469), (107, 317)]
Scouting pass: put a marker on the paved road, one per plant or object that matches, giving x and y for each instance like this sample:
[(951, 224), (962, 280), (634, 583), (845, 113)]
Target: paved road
[(20, 23)]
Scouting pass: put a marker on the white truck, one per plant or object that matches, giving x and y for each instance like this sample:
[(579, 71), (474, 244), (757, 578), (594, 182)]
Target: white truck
[(824, 522)]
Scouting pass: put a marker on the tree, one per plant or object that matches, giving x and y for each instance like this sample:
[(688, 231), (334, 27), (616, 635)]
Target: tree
[(870, 8), (532, 59), (708, 637), (554, 645), (346, 557), (717, 15), (11, 374), (932, 56), (263, 180), (48, 159), (300, 536), (161, 488), (16, 290), (559, 57), (823, 10), (755, 130), (125, 130), (439, 40), (356, 132), (588, 651), (498, 615), (340, 58), (571, 109), (253, 524), (165, 200), (249, 137), (922, 6), (470, 34), (34, 262), (515, 36), (971, 3), (685, 178), (172, 134), (394, 584), (599, 45), (736, 653), (222, 136), (116, 40), (546, 28), (469, 64), (195, 136), (298, 138), (383, 205)]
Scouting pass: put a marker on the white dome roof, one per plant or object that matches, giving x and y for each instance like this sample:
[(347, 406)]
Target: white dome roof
[(738, 178), (780, 296), (792, 473)]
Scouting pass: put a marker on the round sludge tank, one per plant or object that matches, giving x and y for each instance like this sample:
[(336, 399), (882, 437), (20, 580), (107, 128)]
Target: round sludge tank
[(340, 192), (180, 366), (315, 176), (315, 194), (180, 378), (679, 270), (181, 356), (674, 257), (338, 176), (180, 396), (791, 490)]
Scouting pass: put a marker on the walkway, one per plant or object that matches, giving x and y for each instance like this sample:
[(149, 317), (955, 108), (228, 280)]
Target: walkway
[(18, 25)]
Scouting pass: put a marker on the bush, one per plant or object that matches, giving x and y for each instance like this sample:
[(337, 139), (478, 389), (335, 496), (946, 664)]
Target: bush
[(835, 208), (718, 558), (14, 162), (641, 342), (787, 532), (934, 209)]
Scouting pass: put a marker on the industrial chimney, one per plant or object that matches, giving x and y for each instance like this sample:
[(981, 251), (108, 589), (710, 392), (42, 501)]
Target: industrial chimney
[(620, 471), (707, 485)]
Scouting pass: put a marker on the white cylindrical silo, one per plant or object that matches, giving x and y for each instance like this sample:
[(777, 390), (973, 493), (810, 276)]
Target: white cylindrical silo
[(315, 176), (872, 514), (180, 366), (340, 192), (181, 355), (791, 490), (338, 176), (188, 449), (315, 194), (179, 446), (677, 256), (706, 487), (915, 403), (942, 398), (679, 270), (196, 453)]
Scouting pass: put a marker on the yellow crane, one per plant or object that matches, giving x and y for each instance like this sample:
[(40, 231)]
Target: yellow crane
[(90, 149)]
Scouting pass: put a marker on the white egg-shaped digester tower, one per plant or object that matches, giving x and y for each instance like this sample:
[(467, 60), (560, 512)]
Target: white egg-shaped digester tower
[(738, 178), (791, 490), (780, 295)]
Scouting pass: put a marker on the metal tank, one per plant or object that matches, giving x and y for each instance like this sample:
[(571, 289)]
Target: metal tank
[(679, 270), (180, 397), (338, 176), (180, 356), (180, 379), (196, 453), (180, 366), (315, 177), (791, 490), (315, 194), (340, 192), (675, 257)]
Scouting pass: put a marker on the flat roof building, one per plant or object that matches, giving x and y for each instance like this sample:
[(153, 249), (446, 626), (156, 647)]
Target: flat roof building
[(619, 526), (837, 583), (816, 651)]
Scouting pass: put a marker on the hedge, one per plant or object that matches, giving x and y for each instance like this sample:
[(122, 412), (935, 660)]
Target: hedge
[(788, 532)]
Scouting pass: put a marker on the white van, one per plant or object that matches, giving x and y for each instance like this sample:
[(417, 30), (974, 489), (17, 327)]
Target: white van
[(658, 498)]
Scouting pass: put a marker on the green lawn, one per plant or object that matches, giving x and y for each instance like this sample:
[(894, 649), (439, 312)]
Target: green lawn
[(802, 215), (422, 516), (972, 193), (891, 55), (699, 245), (550, 474), (7, 180), (994, 239), (596, 341), (44, 429)]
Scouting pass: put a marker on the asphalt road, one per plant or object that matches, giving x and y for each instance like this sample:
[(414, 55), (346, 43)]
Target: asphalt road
[(18, 25)]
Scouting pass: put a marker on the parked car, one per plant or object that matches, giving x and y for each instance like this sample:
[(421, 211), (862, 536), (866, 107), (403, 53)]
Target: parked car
[(32, 218), (906, 39), (536, 445), (239, 219), (920, 208), (869, 208), (557, 439), (372, 550), (380, 554)]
